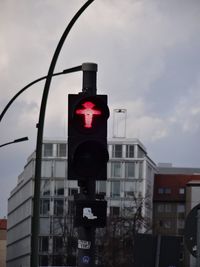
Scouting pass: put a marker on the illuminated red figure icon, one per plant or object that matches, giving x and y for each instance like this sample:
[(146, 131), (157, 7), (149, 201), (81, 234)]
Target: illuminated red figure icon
[(88, 112)]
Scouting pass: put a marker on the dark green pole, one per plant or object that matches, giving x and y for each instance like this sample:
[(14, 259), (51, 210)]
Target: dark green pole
[(40, 125), (86, 258)]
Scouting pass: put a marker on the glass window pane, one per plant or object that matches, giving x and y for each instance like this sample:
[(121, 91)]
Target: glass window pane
[(58, 226), (115, 169), (115, 189), (44, 207), (128, 189), (44, 226), (129, 151), (117, 151), (43, 260), (181, 208), (58, 207), (43, 243), (59, 188), (48, 150), (141, 152), (182, 191), (114, 211), (46, 168), (57, 244), (61, 150), (45, 187), (130, 169), (60, 168)]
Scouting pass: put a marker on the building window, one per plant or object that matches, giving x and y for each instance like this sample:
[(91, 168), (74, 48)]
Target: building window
[(71, 208), (180, 208), (59, 188), (43, 243), (116, 169), (168, 208), (101, 187), (128, 189), (167, 224), (130, 169), (164, 207), (117, 151), (58, 260), (114, 211), (140, 170), (168, 190), (61, 150), (57, 243), (160, 208), (44, 207), (141, 153), (160, 190), (115, 189), (58, 207), (129, 151), (182, 191), (72, 191), (48, 150), (45, 187), (44, 260), (181, 224)]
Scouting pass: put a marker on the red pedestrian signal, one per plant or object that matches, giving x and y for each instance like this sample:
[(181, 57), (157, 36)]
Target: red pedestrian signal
[(88, 112), (87, 137)]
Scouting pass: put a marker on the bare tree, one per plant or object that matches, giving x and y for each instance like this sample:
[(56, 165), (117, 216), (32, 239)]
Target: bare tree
[(116, 241)]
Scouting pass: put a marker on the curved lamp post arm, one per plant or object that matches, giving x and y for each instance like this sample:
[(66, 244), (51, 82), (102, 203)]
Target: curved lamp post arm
[(78, 68), (36, 200), (16, 141)]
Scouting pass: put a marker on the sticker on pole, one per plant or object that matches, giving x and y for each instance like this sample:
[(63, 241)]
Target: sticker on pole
[(86, 259), (84, 244)]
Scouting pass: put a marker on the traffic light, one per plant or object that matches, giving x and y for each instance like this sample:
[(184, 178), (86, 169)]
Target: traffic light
[(87, 137)]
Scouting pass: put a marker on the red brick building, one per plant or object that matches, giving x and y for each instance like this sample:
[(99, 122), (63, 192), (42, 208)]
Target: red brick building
[(3, 229), (174, 196)]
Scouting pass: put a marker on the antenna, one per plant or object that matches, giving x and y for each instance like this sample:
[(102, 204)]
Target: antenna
[(119, 123)]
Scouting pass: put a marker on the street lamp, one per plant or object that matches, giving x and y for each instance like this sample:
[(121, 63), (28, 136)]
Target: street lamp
[(78, 68), (16, 141), (40, 126)]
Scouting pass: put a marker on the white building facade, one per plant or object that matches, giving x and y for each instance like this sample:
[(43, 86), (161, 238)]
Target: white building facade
[(130, 172)]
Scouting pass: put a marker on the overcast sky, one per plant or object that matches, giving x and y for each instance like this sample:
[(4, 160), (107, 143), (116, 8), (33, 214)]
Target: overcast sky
[(148, 56)]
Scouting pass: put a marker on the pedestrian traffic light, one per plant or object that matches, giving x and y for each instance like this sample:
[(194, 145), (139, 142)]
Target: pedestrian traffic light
[(87, 137)]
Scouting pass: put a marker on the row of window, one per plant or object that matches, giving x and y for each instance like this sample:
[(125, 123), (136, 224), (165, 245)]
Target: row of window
[(117, 151), (132, 169), (170, 223), (117, 169), (117, 189), (168, 207), (168, 190)]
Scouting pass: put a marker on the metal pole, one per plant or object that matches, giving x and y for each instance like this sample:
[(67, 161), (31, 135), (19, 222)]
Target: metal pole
[(38, 161), (86, 257), (158, 251), (198, 238)]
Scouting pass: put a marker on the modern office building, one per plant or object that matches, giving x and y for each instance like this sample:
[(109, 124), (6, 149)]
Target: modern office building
[(130, 174), (3, 228), (176, 192)]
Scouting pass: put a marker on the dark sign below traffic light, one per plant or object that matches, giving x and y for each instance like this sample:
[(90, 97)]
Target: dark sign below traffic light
[(90, 213)]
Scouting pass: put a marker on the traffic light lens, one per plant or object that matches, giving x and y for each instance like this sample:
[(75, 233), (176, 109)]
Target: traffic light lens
[(89, 158), (88, 112)]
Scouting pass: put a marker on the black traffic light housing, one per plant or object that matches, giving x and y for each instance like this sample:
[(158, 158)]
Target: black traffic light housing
[(87, 136)]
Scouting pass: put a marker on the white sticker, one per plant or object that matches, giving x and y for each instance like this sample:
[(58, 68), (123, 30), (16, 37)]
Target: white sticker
[(84, 244)]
